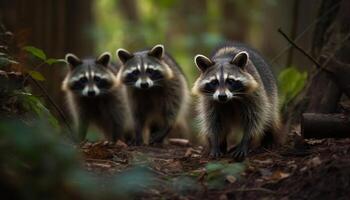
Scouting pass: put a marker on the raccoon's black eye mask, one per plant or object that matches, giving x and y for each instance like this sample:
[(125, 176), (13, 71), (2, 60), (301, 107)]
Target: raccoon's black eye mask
[(235, 85), (102, 83), (154, 74), (211, 86), (79, 84)]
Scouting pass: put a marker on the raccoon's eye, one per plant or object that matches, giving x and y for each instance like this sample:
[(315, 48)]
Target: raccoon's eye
[(234, 84), (150, 70), (97, 79), (103, 83), (83, 80), (231, 81), (135, 72), (214, 82), (154, 74), (211, 86)]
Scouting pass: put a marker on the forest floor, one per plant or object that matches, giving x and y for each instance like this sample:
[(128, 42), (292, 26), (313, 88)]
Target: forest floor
[(302, 169)]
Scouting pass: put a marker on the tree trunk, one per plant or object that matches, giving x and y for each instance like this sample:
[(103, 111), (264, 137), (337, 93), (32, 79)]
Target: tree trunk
[(322, 93), (57, 27)]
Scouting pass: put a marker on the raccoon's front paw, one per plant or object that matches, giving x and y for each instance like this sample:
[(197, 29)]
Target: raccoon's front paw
[(239, 153), (135, 142), (156, 142), (215, 153), (268, 141)]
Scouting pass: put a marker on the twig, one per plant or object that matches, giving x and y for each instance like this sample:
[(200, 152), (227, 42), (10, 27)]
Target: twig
[(35, 69), (254, 190), (102, 160), (305, 31), (299, 48), (58, 109)]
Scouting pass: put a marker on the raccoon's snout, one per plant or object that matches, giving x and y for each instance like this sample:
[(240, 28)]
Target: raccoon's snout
[(144, 85), (91, 93), (222, 97)]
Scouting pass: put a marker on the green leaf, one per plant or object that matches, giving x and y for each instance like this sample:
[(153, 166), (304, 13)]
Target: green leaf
[(36, 75), (36, 52), (212, 167), (34, 104), (217, 172), (52, 61), (291, 82), (4, 62)]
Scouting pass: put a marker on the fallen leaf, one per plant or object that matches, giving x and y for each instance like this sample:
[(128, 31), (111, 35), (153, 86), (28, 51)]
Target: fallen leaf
[(265, 172), (223, 197), (231, 179), (314, 141), (291, 162), (303, 169), (278, 175), (314, 162), (188, 152), (105, 143), (263, 162), (121, 144)]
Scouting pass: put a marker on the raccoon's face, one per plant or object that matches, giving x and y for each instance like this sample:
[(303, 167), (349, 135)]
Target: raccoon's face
[(88, 77), (145, 69), (224, 79)]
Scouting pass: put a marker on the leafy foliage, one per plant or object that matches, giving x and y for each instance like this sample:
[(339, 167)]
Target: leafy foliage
[(29, 102), (40, 54), (219, 171), (36, 52), (36, 75), (291, 82), (36, 164), (32, 103)]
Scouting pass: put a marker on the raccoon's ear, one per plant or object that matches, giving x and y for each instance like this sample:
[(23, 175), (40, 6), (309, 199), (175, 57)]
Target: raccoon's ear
[(124, 55), (241, 59), (104, 59), (202, 62), (157, 51), (72, 60)]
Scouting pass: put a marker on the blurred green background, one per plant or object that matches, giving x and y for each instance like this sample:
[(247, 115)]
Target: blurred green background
[(89, 27), (186, 28), (190, 27)]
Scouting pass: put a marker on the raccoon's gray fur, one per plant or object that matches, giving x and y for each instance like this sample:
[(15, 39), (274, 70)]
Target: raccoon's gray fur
[(157, 91), (94, 97), (236, 89)]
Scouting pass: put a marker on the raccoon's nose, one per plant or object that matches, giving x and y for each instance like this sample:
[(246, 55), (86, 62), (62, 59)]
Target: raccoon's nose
[(144, 85), (222, 97), (91, 93)]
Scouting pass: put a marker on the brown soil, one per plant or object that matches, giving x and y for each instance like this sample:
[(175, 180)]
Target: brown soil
[(311, 169)]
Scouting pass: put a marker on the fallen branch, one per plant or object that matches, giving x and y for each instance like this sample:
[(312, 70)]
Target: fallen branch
[(325, 125), (179, 142)]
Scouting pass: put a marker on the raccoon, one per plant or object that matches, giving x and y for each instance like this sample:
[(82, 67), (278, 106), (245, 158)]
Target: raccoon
[(157, 91), (237, 91), (94, 98)]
